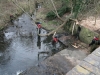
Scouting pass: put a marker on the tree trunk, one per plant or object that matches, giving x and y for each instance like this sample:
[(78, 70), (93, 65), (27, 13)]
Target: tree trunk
[(73, 27)]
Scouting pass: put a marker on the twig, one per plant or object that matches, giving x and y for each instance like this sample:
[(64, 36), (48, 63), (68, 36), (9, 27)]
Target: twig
[(56, 11)]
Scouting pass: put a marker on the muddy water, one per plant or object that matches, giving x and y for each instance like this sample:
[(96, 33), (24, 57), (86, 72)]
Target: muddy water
[(21, 46)]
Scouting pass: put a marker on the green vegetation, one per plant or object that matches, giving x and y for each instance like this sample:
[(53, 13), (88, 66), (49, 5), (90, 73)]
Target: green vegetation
[(80, 8), (63, 10), (86, 35), (51, 15), (77, 6)]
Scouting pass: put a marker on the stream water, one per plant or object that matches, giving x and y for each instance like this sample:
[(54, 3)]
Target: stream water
[(21, 46)]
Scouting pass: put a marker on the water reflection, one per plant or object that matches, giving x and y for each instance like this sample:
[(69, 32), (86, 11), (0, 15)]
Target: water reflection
[(39, 42), (20, 51)]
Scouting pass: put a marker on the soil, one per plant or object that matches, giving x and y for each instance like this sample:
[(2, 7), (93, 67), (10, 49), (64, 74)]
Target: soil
[(71, 41), (90, 24), (81, 46)]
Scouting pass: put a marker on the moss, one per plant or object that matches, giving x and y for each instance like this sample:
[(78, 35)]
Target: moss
[(93, 47), (87, 35), (69, 25)]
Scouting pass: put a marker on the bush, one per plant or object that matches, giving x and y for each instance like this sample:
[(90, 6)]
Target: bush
[(51, 15), (63, 10)]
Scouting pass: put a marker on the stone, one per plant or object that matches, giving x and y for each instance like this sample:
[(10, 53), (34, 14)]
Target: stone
[(92, 61), (72, 72), (81, 70), (97, 52), (90, 67)]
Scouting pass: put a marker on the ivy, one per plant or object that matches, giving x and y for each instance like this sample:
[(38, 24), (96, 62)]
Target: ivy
[(77, 7)]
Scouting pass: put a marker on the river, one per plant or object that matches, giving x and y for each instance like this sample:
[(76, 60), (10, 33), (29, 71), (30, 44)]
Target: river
[(21, 46)]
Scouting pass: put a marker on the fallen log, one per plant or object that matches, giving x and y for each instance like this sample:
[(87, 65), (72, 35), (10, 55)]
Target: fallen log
[(57, 27)]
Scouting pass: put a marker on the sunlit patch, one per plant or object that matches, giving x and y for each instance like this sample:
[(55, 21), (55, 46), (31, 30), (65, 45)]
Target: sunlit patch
[(18, 72), (9, 35)]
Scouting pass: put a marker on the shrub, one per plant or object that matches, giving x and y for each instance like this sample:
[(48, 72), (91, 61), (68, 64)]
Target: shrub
[(63, 10), (51, 15)]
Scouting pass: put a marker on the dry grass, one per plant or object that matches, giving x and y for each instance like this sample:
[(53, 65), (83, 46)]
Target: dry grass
[(7, 8)]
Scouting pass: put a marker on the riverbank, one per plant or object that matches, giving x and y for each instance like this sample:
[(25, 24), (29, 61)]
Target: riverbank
[(63, 61), (8, 8)]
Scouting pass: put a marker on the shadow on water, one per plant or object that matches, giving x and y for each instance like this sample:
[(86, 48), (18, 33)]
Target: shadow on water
[(20, 45), (39, 42)]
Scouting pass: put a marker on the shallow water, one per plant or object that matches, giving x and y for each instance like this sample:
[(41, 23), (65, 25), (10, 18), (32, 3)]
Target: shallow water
[(23, 45)]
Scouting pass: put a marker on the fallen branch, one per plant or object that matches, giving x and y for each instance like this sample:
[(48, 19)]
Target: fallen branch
[(57, 27), (54, 34), (56, 11)]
